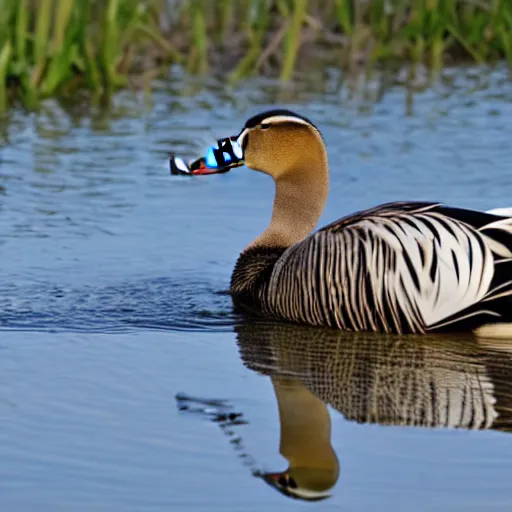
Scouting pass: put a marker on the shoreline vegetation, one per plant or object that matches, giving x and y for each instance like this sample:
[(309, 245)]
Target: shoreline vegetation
[(58, 47)]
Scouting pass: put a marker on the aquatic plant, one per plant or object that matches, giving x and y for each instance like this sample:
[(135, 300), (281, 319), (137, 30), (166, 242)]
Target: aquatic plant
[(53, 47), (50, 47)]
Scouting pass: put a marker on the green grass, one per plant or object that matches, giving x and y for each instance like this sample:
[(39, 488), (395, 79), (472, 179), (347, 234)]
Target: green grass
[(54, 47)]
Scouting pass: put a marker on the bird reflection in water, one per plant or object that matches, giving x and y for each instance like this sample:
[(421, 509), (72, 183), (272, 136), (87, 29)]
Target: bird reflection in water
[(305, 442), (416, 381)]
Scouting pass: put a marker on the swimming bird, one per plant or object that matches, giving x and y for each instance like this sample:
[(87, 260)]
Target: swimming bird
[(401, 267)]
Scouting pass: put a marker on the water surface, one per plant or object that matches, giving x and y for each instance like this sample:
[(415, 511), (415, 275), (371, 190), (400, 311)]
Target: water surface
[(112, 301)]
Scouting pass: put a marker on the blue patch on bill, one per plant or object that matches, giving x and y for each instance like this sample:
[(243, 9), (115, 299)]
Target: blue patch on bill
[(211, 159), (225, 152)]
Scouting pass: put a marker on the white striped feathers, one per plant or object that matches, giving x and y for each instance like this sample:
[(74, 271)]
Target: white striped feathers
[(400, 267)]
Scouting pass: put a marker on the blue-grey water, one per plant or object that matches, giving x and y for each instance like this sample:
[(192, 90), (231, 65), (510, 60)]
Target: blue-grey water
[(112, 301)]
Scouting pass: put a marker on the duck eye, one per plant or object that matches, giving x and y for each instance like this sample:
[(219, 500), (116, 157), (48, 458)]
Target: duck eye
[(264, 126)]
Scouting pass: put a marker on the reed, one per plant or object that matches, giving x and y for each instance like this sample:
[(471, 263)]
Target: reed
[(53, 47), (292, 39)]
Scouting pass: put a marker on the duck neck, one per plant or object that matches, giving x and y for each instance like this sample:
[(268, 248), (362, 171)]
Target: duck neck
[(300, 197)]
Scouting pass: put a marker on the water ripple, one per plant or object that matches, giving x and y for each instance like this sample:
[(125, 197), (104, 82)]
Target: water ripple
[(163, 304)]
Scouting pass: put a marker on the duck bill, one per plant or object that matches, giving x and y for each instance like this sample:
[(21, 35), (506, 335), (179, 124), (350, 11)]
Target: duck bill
[(196, 167), (219, 159), (203, 169)]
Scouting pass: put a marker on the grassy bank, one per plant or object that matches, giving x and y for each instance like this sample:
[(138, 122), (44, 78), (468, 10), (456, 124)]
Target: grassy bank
[(50, 47)]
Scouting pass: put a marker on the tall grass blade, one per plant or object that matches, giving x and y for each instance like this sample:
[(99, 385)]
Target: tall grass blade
[(293, 39), (4, 64), (41, 40), (44, 15), (344, 15), (62, 16), (109, 43), (21, 31), (200, 37), (63, 48)]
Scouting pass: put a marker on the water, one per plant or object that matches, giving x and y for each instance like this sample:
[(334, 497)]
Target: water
[(112, 301)]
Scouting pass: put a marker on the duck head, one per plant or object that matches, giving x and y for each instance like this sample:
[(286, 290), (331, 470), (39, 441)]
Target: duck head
[(276, 142), (281, 143)]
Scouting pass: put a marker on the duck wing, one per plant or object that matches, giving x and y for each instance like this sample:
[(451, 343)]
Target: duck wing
[(400, 267)]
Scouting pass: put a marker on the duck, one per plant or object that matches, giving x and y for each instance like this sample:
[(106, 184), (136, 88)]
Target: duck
[(405, 267)]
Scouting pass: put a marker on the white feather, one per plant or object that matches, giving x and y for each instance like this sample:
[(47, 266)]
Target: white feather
[(504, 212)]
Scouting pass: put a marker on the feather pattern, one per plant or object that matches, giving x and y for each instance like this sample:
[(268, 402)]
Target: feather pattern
[(403, 267)]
